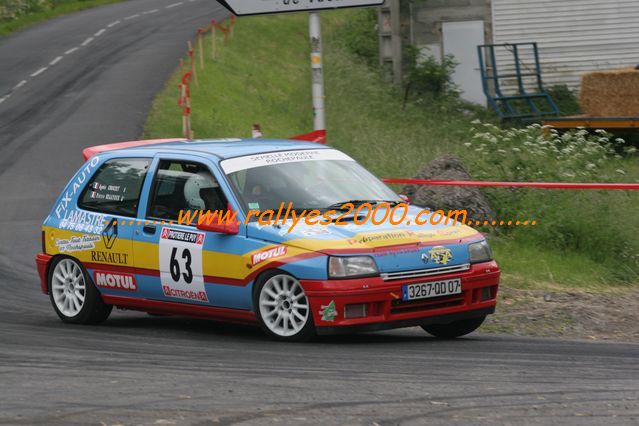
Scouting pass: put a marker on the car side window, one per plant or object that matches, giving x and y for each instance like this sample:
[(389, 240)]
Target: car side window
[(115, 187), (184, 186)]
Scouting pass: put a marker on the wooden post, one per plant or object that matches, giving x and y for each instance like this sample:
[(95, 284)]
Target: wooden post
[(213, 41), (201, 50), (189, 131), (193, 71), (183, 104)]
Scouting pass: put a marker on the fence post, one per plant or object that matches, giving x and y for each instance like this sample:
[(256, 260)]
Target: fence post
[(213, 34), (201, 50), (193, 71), (183, 104)]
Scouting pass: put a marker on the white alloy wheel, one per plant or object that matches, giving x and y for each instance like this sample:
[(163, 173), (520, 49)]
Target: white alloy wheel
[(68, 287), (283, 305)]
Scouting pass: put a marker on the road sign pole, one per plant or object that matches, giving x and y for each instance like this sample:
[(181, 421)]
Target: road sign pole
[(317, 71)]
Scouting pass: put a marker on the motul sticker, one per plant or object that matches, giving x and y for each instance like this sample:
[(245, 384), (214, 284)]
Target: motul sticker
[(115, 281), (261, 256)]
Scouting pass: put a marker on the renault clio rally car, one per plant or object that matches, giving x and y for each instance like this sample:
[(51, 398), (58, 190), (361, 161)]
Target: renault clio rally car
[(112, 238)]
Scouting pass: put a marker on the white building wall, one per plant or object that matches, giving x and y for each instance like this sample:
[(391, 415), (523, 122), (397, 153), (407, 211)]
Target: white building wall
[(574, 36)]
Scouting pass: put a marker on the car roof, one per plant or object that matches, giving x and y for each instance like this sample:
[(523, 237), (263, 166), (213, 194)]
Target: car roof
[(220, 148)]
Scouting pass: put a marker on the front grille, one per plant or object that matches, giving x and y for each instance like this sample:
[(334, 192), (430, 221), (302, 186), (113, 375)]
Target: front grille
[(416, 273)]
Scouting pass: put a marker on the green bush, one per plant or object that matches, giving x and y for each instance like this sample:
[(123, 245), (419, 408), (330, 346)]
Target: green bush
[(565, 99), (425, 77), (597, 224), (12, 9), (359, 36)]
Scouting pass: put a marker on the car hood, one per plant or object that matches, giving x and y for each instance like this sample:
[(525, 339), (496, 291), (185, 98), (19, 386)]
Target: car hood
[(394, 247)]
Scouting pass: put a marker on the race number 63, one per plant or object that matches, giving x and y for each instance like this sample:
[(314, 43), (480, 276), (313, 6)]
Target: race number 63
[(181, 264)]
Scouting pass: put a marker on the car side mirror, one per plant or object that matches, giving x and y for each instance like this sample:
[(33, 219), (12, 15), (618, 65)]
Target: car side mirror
[(231, 228)]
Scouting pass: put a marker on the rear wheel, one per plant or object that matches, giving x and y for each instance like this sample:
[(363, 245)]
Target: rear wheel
[(283, 310), (73, 296), (454, 329)]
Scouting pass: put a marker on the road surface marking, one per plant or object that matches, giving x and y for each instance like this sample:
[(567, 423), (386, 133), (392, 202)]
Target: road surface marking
[(132, 16), (40, 71), (173, 5), (70, 51), (148, 12), (87, 41), (19, 85), (99, 33), (113, 24), (4, 98), (56, 60)]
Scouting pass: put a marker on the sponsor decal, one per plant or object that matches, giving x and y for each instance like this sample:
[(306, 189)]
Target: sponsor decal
[(77, 243), (82, 221), (311, 232), (184, 236), (369, 238), (116, 281), (440, 255), (181, 264), (185, 294), (250, 161), (328, 312), (110, 234), (72, 189), (109, 257), (271, 253), (397, 252)]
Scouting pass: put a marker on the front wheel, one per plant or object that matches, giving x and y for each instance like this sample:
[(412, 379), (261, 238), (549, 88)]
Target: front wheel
[(73, 296), (283, 310), (454, 329)]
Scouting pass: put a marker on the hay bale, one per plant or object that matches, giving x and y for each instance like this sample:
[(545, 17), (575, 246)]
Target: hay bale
[(613, 93)]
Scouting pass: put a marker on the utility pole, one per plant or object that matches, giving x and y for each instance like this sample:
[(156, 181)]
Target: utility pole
[(317, 71), (390, 40)]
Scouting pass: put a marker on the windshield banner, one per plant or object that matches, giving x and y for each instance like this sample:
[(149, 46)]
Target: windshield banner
[(258, 160)]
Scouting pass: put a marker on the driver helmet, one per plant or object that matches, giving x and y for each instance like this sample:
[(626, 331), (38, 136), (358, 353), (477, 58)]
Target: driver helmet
[(194, 185)]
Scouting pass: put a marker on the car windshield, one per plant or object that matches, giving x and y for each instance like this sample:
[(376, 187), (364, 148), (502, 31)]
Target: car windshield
[(316, 179)]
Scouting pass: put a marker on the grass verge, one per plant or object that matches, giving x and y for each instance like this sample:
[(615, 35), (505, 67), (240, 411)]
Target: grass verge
[(263, 76), (21, 22)]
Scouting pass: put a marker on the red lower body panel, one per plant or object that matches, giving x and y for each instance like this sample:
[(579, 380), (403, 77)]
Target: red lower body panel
[(42, 262), (173, 308), (384, 305)]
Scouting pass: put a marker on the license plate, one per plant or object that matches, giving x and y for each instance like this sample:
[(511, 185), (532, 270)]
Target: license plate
[(431, 289)]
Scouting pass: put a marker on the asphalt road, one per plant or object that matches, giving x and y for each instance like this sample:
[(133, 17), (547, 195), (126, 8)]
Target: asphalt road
[(140, 370)]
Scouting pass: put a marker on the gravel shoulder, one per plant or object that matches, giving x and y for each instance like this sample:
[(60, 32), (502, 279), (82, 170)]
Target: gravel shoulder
[(573, 314)]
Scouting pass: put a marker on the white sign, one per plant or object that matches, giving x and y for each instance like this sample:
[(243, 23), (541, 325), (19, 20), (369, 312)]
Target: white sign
[(181, 264), (260, 7)]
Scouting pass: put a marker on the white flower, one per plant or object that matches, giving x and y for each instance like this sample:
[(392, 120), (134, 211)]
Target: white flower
[(590, 166), (621, 172), (467, 144)]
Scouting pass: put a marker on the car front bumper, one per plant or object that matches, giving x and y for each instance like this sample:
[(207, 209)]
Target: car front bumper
[(384, 308)]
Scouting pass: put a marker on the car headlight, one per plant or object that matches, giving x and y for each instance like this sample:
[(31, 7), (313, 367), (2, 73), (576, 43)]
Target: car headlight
[(351, 266), (479, 252)]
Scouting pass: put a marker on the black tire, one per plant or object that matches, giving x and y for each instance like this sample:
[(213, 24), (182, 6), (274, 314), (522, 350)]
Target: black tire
[(454, 329), (307, 331), (93, 310)]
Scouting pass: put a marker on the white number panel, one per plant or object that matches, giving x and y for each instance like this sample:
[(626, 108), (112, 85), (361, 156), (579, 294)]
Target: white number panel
[(181, 264)]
